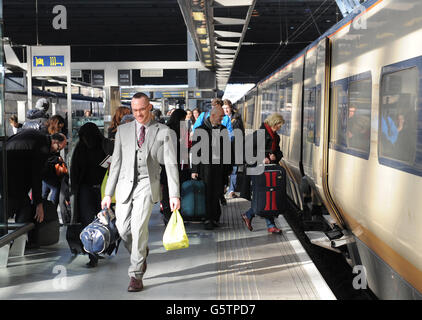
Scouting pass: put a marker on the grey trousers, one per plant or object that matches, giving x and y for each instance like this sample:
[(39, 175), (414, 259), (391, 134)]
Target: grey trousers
[(132, 220)]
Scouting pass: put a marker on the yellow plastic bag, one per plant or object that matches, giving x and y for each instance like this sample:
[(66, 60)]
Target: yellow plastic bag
[(103, 186), (175, 235)]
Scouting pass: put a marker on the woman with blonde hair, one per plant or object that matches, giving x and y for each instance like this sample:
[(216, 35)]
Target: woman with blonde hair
[(273, 155), (115, 122)]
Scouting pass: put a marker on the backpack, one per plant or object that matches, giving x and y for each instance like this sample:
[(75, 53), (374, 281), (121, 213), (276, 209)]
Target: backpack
[(101, 235)]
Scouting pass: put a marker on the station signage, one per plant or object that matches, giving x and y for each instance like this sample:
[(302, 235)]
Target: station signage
[(124, 77), (151, 73), (128, 93), (169, 94), (97, 77), (48, 61), (194, 94)]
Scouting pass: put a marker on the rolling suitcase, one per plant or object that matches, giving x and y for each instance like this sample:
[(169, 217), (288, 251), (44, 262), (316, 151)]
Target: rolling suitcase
[(193, 200), (269, 191)]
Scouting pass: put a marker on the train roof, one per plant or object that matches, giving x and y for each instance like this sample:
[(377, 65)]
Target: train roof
[(330, 32)]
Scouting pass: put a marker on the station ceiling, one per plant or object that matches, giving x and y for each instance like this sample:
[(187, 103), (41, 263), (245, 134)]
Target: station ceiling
[(154, 30)]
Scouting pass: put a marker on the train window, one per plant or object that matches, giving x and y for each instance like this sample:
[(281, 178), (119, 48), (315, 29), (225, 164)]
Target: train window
[(351, 115), (285, 89), (338, 113), (359, 115), (398, 115), (250, 107), (317, 127), (309, 114), (269, 101)]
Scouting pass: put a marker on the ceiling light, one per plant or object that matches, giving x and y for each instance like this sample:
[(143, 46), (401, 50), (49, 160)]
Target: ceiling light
[(201, 30), (198, 16)]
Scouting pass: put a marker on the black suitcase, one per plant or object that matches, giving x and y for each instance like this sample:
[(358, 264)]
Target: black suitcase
[(47, 232), (269, 197)]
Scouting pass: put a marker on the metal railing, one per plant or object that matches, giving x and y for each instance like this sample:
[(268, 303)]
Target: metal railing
[(18, 230)]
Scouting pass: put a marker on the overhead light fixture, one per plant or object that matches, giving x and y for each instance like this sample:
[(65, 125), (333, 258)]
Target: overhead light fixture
[(198, 16), (205, 49), (201, 30)]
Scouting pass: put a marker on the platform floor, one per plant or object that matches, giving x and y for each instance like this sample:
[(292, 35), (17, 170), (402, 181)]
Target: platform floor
[(229, 262)]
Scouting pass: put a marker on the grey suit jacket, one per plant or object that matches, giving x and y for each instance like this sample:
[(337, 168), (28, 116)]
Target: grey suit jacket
[(161, 149)]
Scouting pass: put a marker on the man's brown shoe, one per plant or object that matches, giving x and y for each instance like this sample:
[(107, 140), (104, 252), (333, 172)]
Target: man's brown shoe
[(135, 285)]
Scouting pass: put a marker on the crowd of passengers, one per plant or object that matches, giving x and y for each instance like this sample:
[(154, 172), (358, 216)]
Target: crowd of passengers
[(37, 172)]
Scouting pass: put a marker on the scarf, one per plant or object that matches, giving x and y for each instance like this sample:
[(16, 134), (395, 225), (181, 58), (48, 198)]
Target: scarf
[(274, 142)]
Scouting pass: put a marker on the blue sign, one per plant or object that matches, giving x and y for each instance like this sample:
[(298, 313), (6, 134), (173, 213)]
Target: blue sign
[(48, 61)]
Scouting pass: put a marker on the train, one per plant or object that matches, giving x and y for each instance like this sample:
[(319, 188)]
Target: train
[(352, 138)]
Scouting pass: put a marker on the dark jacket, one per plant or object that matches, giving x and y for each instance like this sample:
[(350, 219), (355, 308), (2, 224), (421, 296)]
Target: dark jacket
[(269, 143), (36, 119), (112, 133), (27, 153), (89, 152), (210, 170), (237, 122), (271, 146)]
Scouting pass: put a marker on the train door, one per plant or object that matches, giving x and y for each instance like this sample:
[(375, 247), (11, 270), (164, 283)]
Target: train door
[(329, 102), (309, 111), (314, 82)]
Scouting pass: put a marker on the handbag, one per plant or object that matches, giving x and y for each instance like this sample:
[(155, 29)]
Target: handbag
[(101, 235), (60, 168), (175, 234)]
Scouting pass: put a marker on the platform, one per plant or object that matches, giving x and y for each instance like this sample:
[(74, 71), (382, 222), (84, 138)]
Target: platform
[(227, 263)]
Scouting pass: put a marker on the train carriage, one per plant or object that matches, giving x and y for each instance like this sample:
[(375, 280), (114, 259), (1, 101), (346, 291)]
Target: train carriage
[(351, 141)]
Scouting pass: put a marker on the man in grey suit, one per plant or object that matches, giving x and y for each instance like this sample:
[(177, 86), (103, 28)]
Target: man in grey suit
[(140, 147)]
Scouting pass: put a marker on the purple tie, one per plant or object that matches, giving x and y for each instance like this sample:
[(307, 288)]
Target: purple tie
[(141, 136)]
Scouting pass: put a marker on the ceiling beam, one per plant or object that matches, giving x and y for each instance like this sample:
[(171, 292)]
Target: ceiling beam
[(229, 21), (228, 34), (234, 3)]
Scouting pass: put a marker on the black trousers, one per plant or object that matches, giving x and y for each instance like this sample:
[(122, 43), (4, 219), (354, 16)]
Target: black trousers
[(23, 211), (89, 205), (213, 190)]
